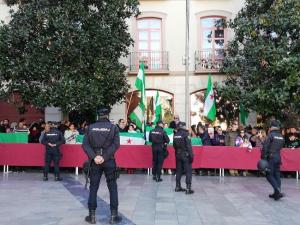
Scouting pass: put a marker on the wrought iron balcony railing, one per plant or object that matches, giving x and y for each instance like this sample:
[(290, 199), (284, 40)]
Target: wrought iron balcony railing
[(154, 61), (209, 60)]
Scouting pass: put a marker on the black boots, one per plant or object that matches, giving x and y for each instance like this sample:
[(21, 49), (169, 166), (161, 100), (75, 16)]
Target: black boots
[(158, 179), (57, 177), (45, 178), (189, 191), (179, 188), (114, 218), (91, 218), (276, 195)]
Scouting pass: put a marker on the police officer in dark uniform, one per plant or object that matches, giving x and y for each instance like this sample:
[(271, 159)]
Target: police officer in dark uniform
[(159, 139), (271, 152), (52, 139), (100, 143), (184, 157)]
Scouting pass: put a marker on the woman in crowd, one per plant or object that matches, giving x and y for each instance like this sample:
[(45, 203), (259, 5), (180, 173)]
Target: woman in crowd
[(71, 134), (34, 134), (260, 138), (242, 141)]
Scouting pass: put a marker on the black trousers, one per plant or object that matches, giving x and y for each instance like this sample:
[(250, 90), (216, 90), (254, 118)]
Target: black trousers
[(109, 168), (52, 154), (273, 176), (183, 165), (157, 161)]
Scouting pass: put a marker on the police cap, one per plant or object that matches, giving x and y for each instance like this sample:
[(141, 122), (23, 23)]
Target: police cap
[(103, 110), (275, 124), (181, 125)]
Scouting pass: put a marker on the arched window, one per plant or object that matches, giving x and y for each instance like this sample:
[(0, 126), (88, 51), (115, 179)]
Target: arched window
[(167, 103)]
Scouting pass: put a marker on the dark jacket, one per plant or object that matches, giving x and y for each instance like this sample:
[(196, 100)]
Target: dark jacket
[(273, 144), (218, 140), (102, 138), (182, 143), (206, 141), (230, 138), (54, 136), (159, 138)]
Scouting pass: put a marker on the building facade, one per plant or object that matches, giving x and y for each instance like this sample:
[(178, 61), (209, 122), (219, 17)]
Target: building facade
[(159, 35)]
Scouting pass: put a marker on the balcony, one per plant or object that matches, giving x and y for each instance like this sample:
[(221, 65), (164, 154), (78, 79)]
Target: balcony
[(209, 60), (154, 61)]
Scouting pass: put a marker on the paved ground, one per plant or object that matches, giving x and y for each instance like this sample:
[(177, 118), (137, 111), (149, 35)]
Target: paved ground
[(26, 200)]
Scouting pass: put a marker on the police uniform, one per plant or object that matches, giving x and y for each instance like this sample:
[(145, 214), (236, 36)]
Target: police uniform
[(184, 158), (56, 138), (102, 139), (159, 140), (271, 152)]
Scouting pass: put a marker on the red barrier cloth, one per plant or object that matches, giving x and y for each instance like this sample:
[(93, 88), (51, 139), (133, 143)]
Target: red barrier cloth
[(141, 157)]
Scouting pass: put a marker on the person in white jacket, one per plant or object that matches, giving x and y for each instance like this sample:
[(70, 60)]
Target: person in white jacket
[(71, 134)]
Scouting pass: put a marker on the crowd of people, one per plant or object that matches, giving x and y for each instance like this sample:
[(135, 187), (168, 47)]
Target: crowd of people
[(235, 135)]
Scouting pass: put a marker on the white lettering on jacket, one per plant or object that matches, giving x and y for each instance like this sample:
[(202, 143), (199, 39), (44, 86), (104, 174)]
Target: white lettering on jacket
[(51, 134), (101, 129)]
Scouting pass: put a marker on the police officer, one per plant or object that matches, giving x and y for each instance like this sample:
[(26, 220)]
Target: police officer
[(100, 143), (52, 139), (271, 152), (184, 157), (159, 139)]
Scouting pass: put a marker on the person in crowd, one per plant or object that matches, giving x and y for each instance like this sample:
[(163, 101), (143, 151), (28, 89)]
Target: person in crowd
[(174, 123), (260, 138), (231, 135), (193, 131), (271, 152), (122, 125), (64, 125), (219, 137), (242, 141), (71, 134), (293, 140), (5, 128), (159, 140), (46, 129), (132, 128), (34, 133), (184, 158), (100, 144), (21, 127), (52, 140), (253, 136), (203, 134), (166, 125)]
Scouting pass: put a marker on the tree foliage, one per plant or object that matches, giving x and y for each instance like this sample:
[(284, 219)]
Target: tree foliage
[(66, 53), (263, 59)]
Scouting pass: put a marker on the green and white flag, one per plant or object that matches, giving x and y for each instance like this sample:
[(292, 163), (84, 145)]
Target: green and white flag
[(132, 138), (138, 114), (157, 114), (210, 103)]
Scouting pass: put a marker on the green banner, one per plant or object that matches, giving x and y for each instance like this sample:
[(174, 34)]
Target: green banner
[(14, 137), (79, 138)]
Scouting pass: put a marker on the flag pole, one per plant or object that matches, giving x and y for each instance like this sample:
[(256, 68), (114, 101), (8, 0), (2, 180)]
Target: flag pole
[(128, 106), (187, 81)]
